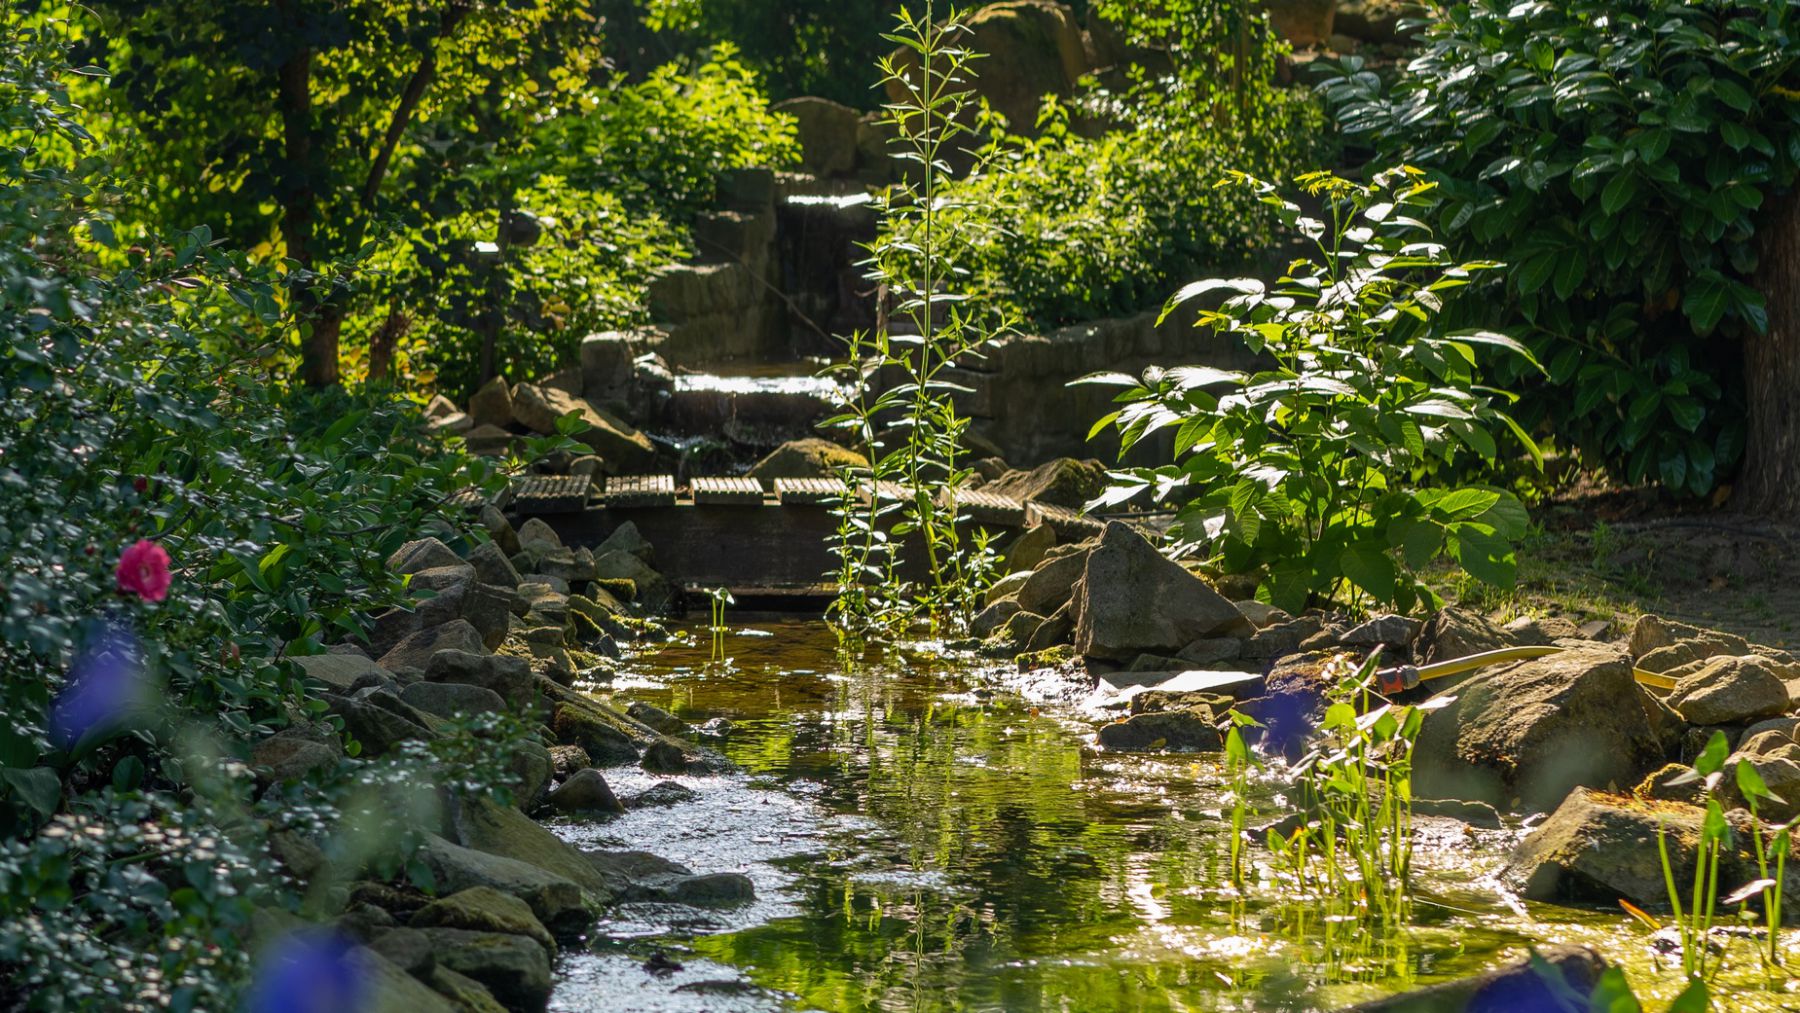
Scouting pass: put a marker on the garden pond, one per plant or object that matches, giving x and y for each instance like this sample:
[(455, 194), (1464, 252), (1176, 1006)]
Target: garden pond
[(928, 832)]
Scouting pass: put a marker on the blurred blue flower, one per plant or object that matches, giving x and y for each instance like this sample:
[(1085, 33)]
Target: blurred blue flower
[(105, 683), (309, 972)]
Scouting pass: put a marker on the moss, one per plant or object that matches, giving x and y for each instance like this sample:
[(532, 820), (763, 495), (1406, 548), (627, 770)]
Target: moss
[(1051, 657), (622, 588)]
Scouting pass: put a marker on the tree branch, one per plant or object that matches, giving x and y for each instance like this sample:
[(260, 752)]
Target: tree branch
[(410, 97)]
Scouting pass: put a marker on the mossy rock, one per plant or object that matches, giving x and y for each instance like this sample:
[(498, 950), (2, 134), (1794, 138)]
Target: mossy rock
[(808, 458), (484, 909), (605, 743)]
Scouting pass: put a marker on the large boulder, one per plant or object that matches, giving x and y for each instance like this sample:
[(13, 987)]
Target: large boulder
[(1530, 733), (514, 968), (808, 458), (492, 566), (586, 791), (1132, 600), (1064, 482), (827, 132), (501, 830), (492, 405), (1302, 22), (1454, 633), (1729, 691), (342, 672), (484, 909), (625, 450), (378, 720), (388, 988), (556, 900), (446, 700), (416, 649), (1183, 730), (508, 677), (1600, 848), (422, 554), (654, 592), (1050, 586)]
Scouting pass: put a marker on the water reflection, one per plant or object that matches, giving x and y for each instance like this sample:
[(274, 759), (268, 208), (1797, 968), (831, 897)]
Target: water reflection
[(944, 847)]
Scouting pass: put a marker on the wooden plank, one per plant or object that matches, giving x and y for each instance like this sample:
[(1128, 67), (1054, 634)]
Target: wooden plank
[(1069, 525), (990, 508), (727, 492), (808, 491), (469, 498), (637, 492), (537, 495)]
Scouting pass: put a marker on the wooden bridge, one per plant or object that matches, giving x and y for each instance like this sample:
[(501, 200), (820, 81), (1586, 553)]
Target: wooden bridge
[(767, 543)]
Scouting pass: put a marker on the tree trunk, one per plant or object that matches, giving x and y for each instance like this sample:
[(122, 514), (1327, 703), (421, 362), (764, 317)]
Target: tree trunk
[(1770, 481), (321, 318)]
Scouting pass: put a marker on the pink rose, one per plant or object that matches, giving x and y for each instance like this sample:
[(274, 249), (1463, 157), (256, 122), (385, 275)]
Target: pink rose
[(144, 571)]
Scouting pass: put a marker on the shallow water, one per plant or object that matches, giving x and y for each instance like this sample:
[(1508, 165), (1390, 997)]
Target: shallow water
[(928, 836)]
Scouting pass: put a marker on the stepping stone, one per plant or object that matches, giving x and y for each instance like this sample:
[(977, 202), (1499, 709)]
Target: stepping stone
[(727, 492), (640, 491), (551, 494)]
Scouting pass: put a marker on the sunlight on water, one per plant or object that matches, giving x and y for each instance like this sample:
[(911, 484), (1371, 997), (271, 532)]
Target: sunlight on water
[(922, 839)]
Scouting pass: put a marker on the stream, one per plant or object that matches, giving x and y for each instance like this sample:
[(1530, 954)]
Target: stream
[(927, 832)]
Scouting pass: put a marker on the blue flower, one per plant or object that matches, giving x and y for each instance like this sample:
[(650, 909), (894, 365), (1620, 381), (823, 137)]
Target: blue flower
[(105, 683), (309, 972)]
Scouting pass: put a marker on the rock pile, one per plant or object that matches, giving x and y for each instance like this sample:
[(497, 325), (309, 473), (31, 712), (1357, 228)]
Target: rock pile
[(503, 632)]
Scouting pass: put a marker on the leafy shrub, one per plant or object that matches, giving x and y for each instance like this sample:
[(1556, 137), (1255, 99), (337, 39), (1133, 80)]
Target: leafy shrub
[(137, 409), (1078, 222), (1313, 472), (1616, 156), (612, 187)]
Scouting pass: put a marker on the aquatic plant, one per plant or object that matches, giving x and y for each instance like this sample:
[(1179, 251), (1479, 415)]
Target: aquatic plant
[(913, 427), (721, 598)]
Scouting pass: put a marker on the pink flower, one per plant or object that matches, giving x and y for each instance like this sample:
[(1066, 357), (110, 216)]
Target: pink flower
[(144, 571)]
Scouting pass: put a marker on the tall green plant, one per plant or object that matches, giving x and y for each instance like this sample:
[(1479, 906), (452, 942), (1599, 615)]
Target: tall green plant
[(1316, 472), (1617, 156), (902, 407)]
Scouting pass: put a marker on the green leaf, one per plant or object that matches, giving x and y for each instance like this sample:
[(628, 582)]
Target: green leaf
[(1619, 192), (1486, 556), (1465, 504), (1241, 286), (1369, 567), (38, 787)]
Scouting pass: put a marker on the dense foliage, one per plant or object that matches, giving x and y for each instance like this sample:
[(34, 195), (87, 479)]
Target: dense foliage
[(179, 526), (1618, 157), (1316, 474), (1110, 201)]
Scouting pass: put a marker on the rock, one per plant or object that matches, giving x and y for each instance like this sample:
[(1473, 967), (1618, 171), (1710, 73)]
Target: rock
[(1064, 482), (1600, 848), (507, 677), (407, 949), (568, 566), (638, 876), (489, 441), (1261, 614), (446, 700), (607, 745), (1027, 550), (1302, 22), (492, 404), (498, 528), (827, 132), (1052, 583), (440, 407), (530, 766), (465, 993), (557, 901), (808, 458), (484, 909), (438, 579), (341, 672), (500, 830), (378, 720), (492, 566), (423, 554), (993, 618), (1055, 631), (416, 649), (1017, 631), (1281, 639), (1455, 633), (1730, 691), (514, 969), (1542, 630), (537, 535), (665, 757), (289, 756), (654, 592), (1035, 48), (657, 719), (1534, 731), (586, 791), (1518, 987), (1133, 600), (1007, 587), (1786, 727), (1183, 731), (1654, 633), (388, 988), (661, 793), (625, 450), (627, 538), (1210, 651), (1379, 631)]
